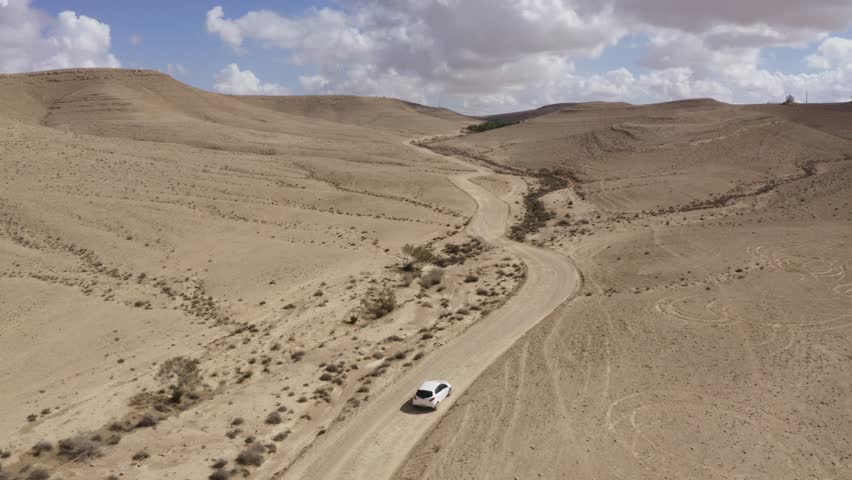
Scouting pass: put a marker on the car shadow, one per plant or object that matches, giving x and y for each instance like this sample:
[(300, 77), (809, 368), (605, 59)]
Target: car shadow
[(409, 409)]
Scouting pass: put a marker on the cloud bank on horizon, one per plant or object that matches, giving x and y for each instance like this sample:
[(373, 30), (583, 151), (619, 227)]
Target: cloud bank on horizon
[(482, 56)]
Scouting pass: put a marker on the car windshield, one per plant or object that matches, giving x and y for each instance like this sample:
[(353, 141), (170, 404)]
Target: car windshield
[(424, 393)]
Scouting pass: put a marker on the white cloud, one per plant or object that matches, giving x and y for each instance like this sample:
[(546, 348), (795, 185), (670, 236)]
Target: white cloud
[(487, 55), (448, 42), (244, 82), (833, 51), (31, 40), (135, 39), (313, 83), (177, 69)]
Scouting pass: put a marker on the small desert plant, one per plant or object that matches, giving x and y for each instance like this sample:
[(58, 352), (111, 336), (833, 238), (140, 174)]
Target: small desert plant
[(431, 276), (219, 463), (274, 418), (219, 474), (141, 455), (147, 421), (253, 455), (413, 255), (42, 446), (38, 474), (378, 302), (180, 375), (79, 448)]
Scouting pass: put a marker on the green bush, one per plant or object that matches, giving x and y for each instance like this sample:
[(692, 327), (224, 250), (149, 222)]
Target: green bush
[(490, 125)]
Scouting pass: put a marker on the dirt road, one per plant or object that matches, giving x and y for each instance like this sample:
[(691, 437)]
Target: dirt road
[(375, 442)]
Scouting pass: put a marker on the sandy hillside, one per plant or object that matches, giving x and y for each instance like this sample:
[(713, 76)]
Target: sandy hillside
[(712, 337), (696, 255), (142, 219)]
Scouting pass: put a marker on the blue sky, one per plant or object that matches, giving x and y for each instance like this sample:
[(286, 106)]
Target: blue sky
[(172, 32), (477, 56)]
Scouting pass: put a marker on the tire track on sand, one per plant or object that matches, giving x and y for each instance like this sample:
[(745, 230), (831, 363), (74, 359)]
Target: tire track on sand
[(376, 441)]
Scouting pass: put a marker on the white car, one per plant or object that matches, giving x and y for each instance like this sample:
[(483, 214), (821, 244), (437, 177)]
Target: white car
[(432, 393)]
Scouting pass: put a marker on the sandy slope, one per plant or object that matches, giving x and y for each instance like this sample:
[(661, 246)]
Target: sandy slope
[(708, 343), (380, 437), (141, 219)]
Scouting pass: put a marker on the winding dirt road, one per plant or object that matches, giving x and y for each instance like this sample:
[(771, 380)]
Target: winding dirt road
[(374, 443)]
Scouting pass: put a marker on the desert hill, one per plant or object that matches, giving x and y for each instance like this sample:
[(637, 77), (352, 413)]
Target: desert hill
[(706, 335), (693, 149), (141, 218), (152, 106), (712, 337), (386, 113), (556, 107), (833, 118)]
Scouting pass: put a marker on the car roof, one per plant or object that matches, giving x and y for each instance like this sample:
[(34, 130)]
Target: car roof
[(431, 385)]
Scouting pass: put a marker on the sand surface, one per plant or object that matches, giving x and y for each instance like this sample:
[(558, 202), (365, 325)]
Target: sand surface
[(374, 443), (709, 342)]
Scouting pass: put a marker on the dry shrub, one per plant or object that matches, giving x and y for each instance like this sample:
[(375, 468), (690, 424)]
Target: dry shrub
[(38, 474), (180, 375), (79, 448), (274, 418), (378, 302), (141, 455), (219, 474), (413, 255), (42, 446), (253, 455), (431, 275), (147, 421)]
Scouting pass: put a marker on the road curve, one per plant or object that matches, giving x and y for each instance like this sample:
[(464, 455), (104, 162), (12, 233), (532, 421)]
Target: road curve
[(378, 439)]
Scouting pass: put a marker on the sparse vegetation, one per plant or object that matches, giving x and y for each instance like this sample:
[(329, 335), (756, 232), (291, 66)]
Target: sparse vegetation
[(431, 276), (253, 455), (415, 255), (490, 125), (147, 421), (378, 302), (38, 474), (40, 447), (181, 375), (140, 455), (535, 214), (459, 253), (79, 448), (274, 418), (219, 474)]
